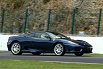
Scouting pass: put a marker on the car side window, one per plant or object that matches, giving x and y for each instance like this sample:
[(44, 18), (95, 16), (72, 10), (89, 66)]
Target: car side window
[(44, 36), (37, 35), (31, 35)]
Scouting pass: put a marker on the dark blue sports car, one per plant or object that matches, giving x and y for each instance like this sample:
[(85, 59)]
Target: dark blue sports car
[(47, 42)]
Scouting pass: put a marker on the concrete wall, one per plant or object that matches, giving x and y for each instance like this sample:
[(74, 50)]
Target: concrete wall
[(3, 42), (97, 42)]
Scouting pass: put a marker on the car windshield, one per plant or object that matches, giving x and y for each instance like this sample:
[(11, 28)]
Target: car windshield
[(58, 36)]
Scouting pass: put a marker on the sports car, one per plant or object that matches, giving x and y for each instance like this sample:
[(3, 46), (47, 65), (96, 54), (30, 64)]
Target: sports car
[(47, 42)]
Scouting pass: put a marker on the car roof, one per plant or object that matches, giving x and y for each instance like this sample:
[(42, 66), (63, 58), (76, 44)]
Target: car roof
[(45, 32), (35, 32), (39, 32)]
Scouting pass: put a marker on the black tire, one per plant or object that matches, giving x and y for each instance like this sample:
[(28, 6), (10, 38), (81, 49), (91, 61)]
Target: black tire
[(79, 54), (16, 48), (36, 53), (60, 51)]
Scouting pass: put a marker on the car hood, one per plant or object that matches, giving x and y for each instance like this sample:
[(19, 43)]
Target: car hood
[(75, 42), (81, 42), (67, 42)]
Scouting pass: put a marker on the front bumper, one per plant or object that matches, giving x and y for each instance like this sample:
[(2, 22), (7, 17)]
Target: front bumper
[(88, 50), (79, 49)]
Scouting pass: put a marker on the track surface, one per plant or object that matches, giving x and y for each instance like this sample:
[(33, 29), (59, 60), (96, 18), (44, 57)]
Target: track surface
[(51, 57)]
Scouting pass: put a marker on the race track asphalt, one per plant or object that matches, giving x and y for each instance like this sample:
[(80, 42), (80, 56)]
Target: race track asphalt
[(95, 59)]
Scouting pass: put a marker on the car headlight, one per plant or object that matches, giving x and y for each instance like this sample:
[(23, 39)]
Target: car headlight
[(9, 41)]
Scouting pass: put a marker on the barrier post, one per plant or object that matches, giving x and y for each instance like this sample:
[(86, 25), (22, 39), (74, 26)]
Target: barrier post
[(99, 21), (26, 17), (49, 14), (2, 19), (73, 19)]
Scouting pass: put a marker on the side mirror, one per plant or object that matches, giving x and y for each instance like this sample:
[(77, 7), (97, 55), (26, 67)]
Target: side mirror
[(48, 37), (51, 39)]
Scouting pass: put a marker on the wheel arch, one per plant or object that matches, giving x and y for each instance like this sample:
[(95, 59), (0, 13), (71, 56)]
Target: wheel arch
[(58, 43), (63, 52), (12, 43)]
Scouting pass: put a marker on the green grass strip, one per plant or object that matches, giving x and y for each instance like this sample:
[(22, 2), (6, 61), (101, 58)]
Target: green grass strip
[(28, 64)]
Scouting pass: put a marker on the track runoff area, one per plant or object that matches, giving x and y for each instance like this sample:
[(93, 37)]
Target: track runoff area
[(67, 58)]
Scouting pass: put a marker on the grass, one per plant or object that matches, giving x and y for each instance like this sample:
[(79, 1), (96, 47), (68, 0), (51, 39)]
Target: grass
[(28, 64), (4, 51), (93, 54)]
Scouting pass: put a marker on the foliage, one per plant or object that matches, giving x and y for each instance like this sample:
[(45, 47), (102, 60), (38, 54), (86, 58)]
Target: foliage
[(45, 1), (61, 16)]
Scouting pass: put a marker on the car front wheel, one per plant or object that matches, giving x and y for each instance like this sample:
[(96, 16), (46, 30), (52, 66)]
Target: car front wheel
[(59, 49), (16, 48)]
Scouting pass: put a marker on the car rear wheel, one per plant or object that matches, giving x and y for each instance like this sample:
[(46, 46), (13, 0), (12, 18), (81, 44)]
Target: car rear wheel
[(79, 54), (16, 48), (59, 49)]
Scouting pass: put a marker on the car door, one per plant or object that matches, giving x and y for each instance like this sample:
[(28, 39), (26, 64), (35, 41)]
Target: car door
[(42, 41), (27, 40)]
